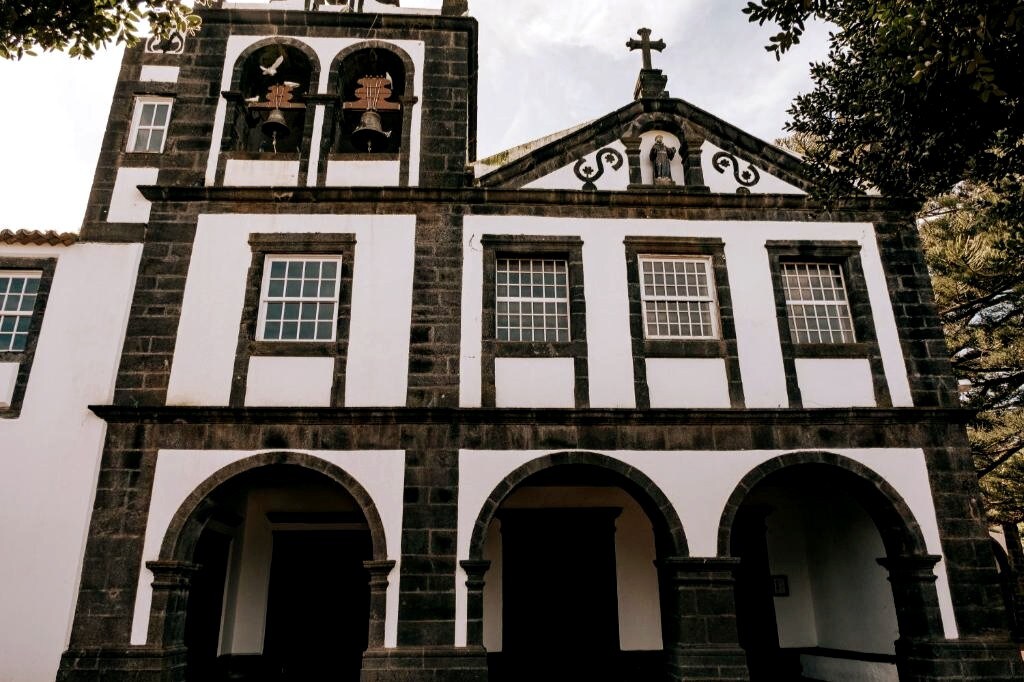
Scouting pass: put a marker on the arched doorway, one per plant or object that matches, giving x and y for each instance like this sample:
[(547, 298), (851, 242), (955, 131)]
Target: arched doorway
[(278, 557), (570, 544), (832, 572)]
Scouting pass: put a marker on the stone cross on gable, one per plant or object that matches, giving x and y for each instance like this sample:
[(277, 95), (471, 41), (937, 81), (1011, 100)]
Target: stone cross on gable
[(646, 44)]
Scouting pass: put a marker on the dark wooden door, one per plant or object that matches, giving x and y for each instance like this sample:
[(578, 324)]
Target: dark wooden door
[(560, 609), (205, 605), (755, 600), (318, 606)]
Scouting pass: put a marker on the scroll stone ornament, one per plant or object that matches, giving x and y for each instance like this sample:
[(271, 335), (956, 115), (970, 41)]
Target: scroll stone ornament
[(585, 172)]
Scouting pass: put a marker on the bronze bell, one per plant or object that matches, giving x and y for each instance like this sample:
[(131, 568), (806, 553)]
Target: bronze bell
[(368, 130), (275, 127)]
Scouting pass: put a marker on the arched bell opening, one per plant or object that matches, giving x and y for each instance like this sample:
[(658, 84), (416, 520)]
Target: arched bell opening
[(562, 573), (271, 575), (833, 580), (271, 115), (372, 88)]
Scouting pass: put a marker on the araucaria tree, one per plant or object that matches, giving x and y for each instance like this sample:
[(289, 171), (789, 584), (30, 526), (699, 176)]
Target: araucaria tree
[(80, 27), (977, 266)]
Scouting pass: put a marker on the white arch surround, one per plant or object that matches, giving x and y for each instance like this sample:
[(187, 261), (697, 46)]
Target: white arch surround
[(180, 472), (698, 484)]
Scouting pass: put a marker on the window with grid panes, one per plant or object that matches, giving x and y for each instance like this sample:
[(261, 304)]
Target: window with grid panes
[(678, 297), (816, 303), (532, 302), (149, 124), (299, 298), (17, 300)]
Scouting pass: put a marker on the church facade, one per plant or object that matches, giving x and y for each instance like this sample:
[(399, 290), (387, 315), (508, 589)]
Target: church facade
[(338, 400)]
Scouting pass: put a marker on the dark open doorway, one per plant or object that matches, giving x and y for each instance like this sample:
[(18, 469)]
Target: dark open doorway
[(318, 608), (560, 618)]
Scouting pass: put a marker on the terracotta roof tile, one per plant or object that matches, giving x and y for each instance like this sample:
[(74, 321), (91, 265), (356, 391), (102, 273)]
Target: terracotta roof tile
[(38, 237)]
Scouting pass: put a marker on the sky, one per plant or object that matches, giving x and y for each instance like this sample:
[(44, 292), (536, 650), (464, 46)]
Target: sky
[(545, 65)]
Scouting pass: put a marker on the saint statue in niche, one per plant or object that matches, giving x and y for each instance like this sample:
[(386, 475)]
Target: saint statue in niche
[(661, 157)]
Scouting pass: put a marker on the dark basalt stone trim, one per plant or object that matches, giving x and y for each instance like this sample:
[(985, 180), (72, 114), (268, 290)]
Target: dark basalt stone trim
[(842, 417), (846, 254), (285, 20), (843, 654), (269, 244), (46, 266), (569, 248), (843, 210), (724, 347)]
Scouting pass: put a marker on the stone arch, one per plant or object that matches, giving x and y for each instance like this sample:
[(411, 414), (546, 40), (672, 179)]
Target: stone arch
[(669, 122), (190, 518), (410, 66), (668, 529), (896, 523), (305, 49)]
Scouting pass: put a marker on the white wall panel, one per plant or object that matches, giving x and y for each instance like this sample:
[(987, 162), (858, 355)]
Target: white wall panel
[(687, 382), (127, 205), (253, 173), (8, 376), (835, 382), (289, 382), (534, 382)]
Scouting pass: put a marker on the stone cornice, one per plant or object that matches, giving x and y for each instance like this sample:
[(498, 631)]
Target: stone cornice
[(844, 209), (340, 416)]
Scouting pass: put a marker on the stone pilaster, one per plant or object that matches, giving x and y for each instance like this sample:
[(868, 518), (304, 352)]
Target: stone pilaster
[(475, 571), (699, 619), (379, 572)]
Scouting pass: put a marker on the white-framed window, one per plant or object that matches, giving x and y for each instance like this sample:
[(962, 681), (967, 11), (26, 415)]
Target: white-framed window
[(299, 298), (18, 291), (678, 296), (532, 299), (816, 303), (150, 120)]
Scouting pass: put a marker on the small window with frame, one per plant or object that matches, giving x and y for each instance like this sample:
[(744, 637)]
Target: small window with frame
[(18, 291), (817, 306), (532, 299), (150, 120), (678, 297), (299, 298)]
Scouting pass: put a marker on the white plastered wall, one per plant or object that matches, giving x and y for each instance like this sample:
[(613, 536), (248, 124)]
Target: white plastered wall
[(47, 474), (609, 347), (698, 484), (179, 472), (378, 345), (326, 50)]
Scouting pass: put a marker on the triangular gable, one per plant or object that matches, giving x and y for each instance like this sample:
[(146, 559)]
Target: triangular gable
[(611, 153)]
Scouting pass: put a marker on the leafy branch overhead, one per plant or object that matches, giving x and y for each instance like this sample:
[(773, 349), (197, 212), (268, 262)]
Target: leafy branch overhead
[(915, 96), (80, 27)]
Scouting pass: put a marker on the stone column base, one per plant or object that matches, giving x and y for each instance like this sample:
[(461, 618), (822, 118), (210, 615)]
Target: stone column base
[(425, 664), (968, 660), (128, 664), (708, 662)]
